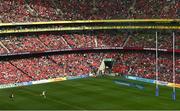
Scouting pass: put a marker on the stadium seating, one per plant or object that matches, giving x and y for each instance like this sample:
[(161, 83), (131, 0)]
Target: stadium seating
[(2, 50), (38, 68), (137, 64), (133, 63), (50, 41), (19, 44), (10, 74), (30, 11)]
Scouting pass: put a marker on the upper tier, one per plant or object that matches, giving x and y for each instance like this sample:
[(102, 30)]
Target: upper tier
[(40, 42), (51, 10)]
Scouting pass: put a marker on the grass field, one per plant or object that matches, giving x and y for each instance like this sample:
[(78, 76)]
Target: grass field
[(89, 93)]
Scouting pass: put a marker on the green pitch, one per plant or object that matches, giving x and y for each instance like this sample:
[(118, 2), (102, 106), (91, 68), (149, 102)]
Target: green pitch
[(89, 93)]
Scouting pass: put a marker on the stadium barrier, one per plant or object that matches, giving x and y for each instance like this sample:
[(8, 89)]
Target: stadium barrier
[(163, 83), (77, 77), (42, 81), (140, 79), (82, 28), (15, 85), (85, 49), (93, 21), (125, 83)]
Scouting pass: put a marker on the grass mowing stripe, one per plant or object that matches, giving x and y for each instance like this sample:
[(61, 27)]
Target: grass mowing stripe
[(54, 99)]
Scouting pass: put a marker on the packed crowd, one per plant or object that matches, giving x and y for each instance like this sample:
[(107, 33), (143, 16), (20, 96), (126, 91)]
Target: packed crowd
[(48, 67), (10, 74), (38, 68), (138, 64), (111, 40), (50, 41), (16, 44), (149, 40), (143, 65), (78, 64), (2, 50), (47, 10), (128, 63)]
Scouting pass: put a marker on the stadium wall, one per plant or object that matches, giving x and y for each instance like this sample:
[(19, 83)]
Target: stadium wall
[(153, 81), (42, 81)]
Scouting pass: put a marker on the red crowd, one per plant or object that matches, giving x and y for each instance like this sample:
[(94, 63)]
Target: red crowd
[(48, 67), (144, 65), (137, 64), (127, 63), (165, 41), (47, 10), (50, 41)]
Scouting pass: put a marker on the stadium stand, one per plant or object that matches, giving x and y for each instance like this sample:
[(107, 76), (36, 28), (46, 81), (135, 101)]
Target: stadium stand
[(138, 64), (50, 41), (31, 11), (10, 74)]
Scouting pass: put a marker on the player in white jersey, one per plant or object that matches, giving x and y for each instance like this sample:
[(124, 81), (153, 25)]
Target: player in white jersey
[(12, 96), (43, 94)]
